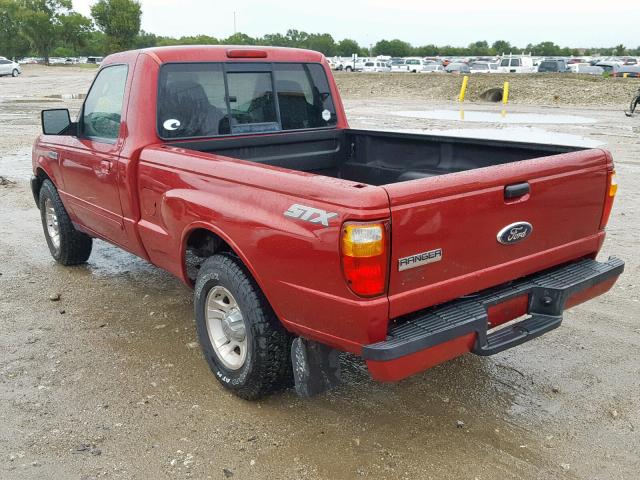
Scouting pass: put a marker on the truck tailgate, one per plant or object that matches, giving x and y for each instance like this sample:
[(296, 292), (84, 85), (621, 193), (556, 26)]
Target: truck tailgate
[(444, 234)]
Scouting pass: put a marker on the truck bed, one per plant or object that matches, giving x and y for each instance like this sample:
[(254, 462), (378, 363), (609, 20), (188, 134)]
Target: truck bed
[(374, 157)]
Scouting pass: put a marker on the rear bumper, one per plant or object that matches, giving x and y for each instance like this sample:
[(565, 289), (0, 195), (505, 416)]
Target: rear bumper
[(428, 337)]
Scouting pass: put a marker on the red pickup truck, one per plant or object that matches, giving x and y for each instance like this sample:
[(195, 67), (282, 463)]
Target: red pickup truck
[(234, 169)]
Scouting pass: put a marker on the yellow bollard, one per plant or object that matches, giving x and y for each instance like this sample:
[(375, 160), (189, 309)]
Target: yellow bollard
[(505, 93), (463, 89), (462, 114), (625, 75)]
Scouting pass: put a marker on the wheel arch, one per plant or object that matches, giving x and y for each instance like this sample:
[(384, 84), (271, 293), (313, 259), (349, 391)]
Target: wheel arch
[(219, 241), (36, 183)]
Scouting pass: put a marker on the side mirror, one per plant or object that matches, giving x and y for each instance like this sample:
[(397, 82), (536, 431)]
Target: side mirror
[(56, 121)]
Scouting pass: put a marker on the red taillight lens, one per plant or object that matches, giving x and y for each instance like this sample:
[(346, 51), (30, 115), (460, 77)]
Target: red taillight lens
[(365, 257), (610, 194), (246, 53)]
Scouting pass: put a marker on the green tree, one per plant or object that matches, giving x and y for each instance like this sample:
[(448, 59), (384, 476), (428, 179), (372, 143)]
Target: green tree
[(47, 24), (393, 48), (620, 50), (296, 38), (120, 22), (274, 40), (145, 40), (13, 43), (546, 49), (347, 47), (426, 51), (500, 47), (239, 39), (480, 48), (74, 32), (321, 42)]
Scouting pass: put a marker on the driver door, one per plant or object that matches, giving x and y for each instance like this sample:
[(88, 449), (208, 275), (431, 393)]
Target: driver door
[(90, 160)]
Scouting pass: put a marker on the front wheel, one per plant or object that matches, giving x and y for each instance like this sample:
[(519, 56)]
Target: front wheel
[(15, 72), (67, 245), (242, 340)]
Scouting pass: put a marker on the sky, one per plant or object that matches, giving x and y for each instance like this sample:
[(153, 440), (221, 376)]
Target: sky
[(572, 23)]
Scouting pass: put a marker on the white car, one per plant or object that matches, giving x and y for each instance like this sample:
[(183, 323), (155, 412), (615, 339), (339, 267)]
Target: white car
[(414, 64), (376, 66), (432, 68), (516, 64), (8, 67), (480, 67)]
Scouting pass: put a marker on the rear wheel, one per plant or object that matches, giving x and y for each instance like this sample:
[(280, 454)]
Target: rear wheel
[(242, 340), (67, 245), (348, 69)]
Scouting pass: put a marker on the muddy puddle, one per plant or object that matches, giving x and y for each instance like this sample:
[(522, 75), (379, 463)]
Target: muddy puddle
[(503, 116), (16, 165), (68, 96)]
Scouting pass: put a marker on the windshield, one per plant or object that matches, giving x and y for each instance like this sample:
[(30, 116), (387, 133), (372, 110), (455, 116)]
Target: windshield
[(211, 99)]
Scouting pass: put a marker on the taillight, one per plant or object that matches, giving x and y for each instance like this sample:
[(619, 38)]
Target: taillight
[(365, 257), (612, 189)]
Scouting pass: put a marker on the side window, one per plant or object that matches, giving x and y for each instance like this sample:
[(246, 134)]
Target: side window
[(504, 62), (515, 62), (191, 101), (303, 96), (103, 107)]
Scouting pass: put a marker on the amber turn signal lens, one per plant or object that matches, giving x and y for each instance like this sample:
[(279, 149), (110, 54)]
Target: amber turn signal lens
[(613, 184), (363, 240)]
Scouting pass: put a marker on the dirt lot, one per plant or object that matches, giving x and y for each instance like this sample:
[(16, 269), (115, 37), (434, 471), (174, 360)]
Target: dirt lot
[(108, 382), (537, 89)]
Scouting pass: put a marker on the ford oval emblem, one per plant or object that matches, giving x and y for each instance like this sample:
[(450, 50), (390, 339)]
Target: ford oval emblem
[(514, 233)]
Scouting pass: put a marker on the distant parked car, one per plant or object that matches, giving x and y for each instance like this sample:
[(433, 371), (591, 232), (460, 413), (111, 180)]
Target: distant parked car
[(376, 66), (397, 65), (588, 69), (457, 68), (609, 66), (432, 68), (516, 64), (553, 66), (9, 67), (479, 67), (632, 71), (94, 60), (414, 64)]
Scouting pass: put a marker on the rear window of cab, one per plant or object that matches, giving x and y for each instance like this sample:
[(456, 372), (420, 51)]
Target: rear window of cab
[(197, 100)]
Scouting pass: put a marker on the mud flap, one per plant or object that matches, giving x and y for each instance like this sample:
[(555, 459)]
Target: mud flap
[(316, 367)]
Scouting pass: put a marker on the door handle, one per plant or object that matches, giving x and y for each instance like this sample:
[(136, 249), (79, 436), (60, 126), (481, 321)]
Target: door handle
[(516, 190), (105, 167)]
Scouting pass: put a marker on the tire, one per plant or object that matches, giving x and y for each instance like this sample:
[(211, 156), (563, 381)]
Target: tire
[(256, 364), (348, 69), (69, 247), (15, 72)]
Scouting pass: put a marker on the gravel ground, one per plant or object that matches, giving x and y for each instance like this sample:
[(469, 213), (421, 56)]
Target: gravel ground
[(525, 89), (108, 382)]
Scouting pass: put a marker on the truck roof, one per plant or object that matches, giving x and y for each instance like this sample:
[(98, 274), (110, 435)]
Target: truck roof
[(217, 53)]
